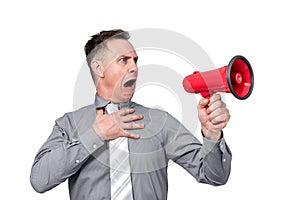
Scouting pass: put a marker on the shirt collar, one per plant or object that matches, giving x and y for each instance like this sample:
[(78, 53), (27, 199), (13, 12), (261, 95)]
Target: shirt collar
[(100, 103)]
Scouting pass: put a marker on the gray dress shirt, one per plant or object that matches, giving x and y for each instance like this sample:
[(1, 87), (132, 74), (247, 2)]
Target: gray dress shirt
[(74, 152)]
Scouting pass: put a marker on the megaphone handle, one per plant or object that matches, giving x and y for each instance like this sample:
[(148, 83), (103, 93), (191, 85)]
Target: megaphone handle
[(206, 95)]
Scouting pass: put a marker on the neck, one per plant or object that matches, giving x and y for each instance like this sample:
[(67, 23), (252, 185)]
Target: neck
[(111, 98), (105, 95)]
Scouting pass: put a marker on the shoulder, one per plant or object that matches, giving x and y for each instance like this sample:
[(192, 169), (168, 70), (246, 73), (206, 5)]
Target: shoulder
[(154, 115), (77, 117), (147, 110)]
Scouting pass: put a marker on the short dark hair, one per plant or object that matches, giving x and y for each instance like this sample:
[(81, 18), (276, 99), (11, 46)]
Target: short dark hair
[(96, 42)]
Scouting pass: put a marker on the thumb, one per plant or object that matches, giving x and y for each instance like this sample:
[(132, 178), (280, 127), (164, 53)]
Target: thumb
[(203, 103), (100, 111)]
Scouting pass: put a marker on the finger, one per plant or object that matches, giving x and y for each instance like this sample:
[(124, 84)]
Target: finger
[(214, 98), (131, 117), (223, 117), (216, 105), (216, 127), (217, 112), (126, 111), (100, 111), (130, 135), (219, 119), (130, 126)]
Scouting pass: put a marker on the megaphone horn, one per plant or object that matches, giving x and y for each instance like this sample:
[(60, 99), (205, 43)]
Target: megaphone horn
[(236, 78)]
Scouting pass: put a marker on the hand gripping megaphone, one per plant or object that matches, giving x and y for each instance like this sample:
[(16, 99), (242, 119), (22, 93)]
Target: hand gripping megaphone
[(236, 78)]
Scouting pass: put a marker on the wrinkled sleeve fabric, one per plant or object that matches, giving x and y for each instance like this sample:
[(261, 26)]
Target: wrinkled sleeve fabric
[(62, 155), (209, 162)]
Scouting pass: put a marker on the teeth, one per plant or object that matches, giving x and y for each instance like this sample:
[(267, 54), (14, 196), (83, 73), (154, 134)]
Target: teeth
[(129, 83)]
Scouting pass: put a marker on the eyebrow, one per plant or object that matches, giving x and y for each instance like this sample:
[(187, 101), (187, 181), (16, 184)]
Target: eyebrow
[(135, 58)]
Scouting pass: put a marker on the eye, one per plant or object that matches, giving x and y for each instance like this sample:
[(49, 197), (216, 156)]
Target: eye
[(123, 59), (135, 59)]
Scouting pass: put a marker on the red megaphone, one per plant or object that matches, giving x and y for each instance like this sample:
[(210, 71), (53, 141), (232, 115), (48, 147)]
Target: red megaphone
[(236, 78)]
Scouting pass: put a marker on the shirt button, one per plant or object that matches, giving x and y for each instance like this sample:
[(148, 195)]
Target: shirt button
[(224, 160), (221, 146), (76, 161), (94, 146)]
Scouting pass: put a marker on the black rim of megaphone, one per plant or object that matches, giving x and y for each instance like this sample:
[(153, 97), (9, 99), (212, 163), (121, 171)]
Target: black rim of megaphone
[(229, 79)]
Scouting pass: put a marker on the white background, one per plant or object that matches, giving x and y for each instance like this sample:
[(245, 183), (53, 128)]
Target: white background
[(41, 49)]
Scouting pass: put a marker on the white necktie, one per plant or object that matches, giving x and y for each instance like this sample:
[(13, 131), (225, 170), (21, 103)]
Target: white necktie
[(121, 186)]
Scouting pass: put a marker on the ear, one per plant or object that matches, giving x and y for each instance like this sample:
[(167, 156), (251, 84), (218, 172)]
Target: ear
[(97, 68)]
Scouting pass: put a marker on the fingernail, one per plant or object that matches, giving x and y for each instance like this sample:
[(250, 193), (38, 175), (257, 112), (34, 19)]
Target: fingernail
[(135, 136)]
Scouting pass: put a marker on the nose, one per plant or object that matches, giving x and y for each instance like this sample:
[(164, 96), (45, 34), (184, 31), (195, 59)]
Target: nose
[(133, 68)]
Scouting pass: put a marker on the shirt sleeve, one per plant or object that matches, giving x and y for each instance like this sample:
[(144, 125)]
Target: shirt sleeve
[(62, 155), (209, 162)]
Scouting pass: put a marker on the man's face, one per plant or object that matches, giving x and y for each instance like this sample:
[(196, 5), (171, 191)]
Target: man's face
[(120, 71)]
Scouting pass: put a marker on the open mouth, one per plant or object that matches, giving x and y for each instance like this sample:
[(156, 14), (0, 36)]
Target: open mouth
[(129, 83)]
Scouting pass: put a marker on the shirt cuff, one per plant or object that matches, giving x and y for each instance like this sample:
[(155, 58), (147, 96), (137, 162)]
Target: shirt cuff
[(209, 145), (90, 140)]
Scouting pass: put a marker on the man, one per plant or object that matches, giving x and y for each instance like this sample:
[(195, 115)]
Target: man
[(82, 144)]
